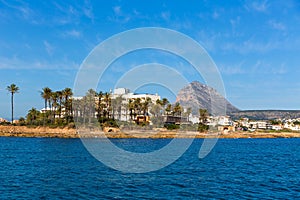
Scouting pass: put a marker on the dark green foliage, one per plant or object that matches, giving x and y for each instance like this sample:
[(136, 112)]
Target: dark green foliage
[(172, 126), (202, 127)]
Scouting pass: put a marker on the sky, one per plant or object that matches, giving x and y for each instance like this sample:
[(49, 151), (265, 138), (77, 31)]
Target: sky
[(254, 44)]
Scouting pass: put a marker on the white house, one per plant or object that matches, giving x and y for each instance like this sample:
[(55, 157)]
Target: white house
[(126, 96), (277, 127)]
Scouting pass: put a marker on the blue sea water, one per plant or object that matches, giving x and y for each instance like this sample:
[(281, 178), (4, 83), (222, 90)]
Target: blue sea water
[(52, 168)]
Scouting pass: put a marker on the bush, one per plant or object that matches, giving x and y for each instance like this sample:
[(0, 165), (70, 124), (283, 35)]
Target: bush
[(202, 127), (172, 126)]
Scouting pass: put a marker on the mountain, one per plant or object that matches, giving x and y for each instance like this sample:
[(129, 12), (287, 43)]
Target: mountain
[(266, 114), (197, 95)]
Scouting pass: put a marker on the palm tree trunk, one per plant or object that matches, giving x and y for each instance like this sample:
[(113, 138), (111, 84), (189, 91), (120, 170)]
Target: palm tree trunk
[(12, 107), (44, 114)]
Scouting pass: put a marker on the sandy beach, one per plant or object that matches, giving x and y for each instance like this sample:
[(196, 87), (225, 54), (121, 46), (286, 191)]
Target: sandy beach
[(23, 131)]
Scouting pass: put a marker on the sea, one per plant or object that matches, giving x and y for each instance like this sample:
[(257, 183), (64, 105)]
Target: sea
[(53, 168)]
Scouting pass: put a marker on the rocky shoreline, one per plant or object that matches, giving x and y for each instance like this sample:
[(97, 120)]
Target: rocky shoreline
[(23, 131)]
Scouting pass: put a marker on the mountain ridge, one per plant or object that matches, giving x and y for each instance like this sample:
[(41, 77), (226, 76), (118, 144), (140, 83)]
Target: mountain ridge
[(197, 95)]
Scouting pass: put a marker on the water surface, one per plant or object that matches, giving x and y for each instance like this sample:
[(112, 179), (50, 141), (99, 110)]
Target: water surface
[(47, 168)]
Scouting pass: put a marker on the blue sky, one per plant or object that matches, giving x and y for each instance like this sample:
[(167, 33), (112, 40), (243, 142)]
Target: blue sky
[(255, 44)]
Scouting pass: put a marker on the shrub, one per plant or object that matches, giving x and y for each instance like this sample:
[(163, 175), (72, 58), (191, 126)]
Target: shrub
[(171, 126)]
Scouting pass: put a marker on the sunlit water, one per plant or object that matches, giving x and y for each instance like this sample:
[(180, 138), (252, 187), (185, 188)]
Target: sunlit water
[(43, 168)]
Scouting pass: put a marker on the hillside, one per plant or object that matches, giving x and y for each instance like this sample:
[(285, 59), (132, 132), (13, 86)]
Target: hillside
[(197, 95), (266, 114)]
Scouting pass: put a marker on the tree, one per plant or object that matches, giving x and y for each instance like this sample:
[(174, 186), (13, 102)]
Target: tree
[(157, 118), (168, 109), (100, 105), (54, 99), (158, 102), (164, 102), (203, 114), (117, 106), (145, 105), (177, 109), (32, 116), (89, 105), (107, 100), (67, 93), (12, 89), (137, 106), (46, 95), (130, 107), (60, 97), (188, 112)]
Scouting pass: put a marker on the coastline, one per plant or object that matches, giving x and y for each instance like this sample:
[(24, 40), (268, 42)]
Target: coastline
[(23, 131)]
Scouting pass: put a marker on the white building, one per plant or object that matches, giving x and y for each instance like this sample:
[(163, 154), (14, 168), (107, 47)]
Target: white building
[(126, 96), (277, 127), (44, 110), (220, 120), (3, 120), (290, 125)]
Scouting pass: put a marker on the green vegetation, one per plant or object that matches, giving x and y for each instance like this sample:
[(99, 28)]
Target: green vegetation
[(203, 120), (60, 110), (172, 126), (57, 111)]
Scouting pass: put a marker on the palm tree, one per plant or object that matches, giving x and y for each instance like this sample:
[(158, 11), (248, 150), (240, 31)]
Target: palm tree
[(188, 112), (131, 107), (46, 95), (33, 116), (107, 100), (145, 105), (60, 97), (137, 106), (54, 98), (203, 120), (67, 93), (168, 109), (158, 102), (99, 106), (203, 116), (12, 89), (164, 102), (89, 105), (117, 106), (177, 109)]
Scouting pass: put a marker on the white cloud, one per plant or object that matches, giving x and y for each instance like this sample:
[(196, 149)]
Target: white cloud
[(279, 70), (250, 45), (215, 15), (233, 69), (166, 16), (88, 10), (18, 63), (258, 6), (277, 25), (48, 47), (72, 14), (119, 16), (20, 10), (117, 10), (258, 67), (72, 33)]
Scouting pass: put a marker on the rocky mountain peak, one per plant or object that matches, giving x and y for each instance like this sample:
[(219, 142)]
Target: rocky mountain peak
[(197, 95)]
